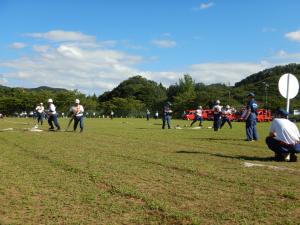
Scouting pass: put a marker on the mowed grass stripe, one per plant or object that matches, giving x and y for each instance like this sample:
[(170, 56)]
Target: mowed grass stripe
[(151, 206), (186, 171)]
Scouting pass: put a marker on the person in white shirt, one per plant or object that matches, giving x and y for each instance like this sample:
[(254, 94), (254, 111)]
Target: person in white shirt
[(217, 110), (77, 113), (112, 114), (198, 116), (156, 115), (226, 116), (52, 115), (40, 110), (283, 139), (148, 115)]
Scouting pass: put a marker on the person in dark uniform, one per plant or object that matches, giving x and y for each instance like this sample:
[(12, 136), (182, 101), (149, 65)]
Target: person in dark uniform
[(250, 118), (217, 110), (166, 116)]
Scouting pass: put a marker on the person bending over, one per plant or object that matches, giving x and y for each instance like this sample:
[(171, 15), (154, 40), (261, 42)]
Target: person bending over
[(283, 139)]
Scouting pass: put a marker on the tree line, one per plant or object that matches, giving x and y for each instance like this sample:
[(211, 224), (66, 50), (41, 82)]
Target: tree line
[(135, 95)]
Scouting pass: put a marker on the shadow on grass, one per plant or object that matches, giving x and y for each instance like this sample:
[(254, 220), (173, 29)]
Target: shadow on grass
[(157, 124), (241, 157)]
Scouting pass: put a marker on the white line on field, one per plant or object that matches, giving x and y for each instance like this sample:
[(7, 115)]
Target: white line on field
[(280, 168)]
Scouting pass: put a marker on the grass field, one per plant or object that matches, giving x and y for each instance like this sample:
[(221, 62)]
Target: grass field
[(129, 171)]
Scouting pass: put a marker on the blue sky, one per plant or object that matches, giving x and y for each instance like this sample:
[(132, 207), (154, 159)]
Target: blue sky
[(94, 45)]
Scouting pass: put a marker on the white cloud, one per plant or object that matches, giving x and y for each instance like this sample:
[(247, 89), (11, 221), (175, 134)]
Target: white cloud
[(3, 81), (70, 52), (210, 73), (166, 34), (61, 35), (108, 43), (203, 6), (293, 36), (283, 57), (74, 67), (18, 45), (269, 30), (225, 72), (129, 45), (164, 43), (87, 66), (40, 48)]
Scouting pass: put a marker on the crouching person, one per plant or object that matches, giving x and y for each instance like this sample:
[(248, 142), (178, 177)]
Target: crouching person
[(284, 138), (77, 113)]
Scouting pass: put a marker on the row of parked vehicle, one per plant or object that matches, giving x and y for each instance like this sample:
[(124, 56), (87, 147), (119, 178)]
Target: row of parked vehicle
[(263, 115)]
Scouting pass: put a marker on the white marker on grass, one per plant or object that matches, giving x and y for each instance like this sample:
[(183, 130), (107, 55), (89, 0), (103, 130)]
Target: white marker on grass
[(288, 87)]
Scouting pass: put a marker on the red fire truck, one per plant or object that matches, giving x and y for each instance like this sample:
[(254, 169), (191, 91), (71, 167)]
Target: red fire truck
[(263, 115)]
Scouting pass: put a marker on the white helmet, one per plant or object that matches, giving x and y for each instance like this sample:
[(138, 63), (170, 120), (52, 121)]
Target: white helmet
[(218, 102), (50, 100), (77, 101), (199, 107), (41, 103), (227, 106)]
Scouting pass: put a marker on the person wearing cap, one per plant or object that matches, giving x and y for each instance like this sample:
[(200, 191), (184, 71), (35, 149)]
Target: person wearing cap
[(198, 116), (40, 111), (52, 115), (250, 118), (166, 115), (283, 139), (217, 111), (77, 113)]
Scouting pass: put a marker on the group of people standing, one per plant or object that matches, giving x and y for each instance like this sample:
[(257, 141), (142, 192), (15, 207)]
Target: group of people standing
[(283, 140), (221, 115), (284, 136), (75, 112)]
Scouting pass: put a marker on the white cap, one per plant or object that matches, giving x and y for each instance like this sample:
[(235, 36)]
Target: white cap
[(77, 101), (50, 100), (227, 106), (41, 103), (218, 101)]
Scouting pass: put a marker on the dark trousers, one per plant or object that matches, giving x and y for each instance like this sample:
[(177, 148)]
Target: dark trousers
[(217, 122), (53, 118), (224, 120), (197, 118), (278, 147), (79, 120), (40, 118), (168, 120), (251, 131)]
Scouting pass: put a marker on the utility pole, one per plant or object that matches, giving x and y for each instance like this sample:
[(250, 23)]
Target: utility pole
[(266, 94), (266, 99)]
